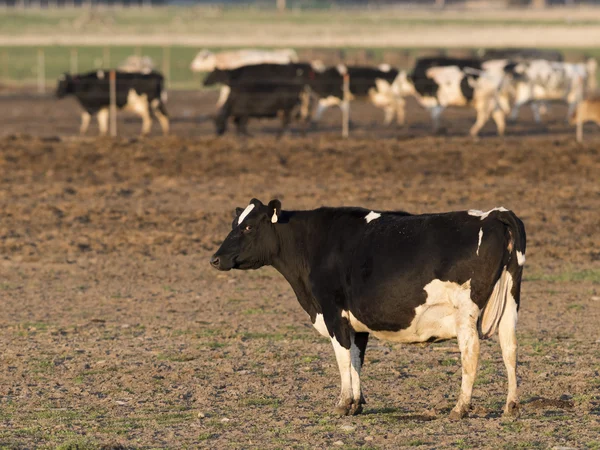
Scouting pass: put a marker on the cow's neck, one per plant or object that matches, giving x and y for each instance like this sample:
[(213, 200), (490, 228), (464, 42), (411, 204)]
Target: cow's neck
[(292, 260)]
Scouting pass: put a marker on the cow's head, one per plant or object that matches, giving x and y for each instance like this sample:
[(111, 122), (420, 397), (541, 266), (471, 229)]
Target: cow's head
[(65, 85), (252, 242), (205, 61)]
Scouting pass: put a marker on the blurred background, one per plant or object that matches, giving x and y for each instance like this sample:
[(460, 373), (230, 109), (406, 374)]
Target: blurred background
[(39, 40)]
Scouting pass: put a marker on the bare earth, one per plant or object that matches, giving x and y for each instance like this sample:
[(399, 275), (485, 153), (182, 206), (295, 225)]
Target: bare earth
[(115, 331)]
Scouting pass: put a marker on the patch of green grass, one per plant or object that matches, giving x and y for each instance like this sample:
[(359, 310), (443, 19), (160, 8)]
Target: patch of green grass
[(175, 357), (462, 444), (260, 401), (575, 307), (592, 275), (269, 336), (417, 442), (449, 362)]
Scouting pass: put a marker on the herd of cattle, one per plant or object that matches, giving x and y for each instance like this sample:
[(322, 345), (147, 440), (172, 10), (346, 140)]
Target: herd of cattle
[(271, 84)]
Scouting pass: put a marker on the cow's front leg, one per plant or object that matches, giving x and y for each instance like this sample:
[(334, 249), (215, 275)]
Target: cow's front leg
[(467, 313)]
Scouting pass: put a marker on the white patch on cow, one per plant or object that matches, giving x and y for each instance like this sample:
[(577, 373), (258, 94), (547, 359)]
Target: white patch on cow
[(372, 216), (320, 325), (100, 74), (163, 96), (437, 317), (318, 65), (384, 67), (492, 312), (483, 215), (245, 213), (520, 258), (274, 216), (342, 69), (480, 238)]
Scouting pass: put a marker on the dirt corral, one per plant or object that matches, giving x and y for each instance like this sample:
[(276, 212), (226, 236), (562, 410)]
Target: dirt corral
[(115, 331)]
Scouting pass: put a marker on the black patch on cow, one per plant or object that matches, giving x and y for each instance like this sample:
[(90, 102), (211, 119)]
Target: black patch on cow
[(427, 87), (465, 86)]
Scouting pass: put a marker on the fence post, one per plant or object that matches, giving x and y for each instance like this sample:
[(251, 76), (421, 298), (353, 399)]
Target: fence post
[(106, 57), (41, 71), (5, 64), (346, 107), (166, 69), (74, 61), (113, 103)]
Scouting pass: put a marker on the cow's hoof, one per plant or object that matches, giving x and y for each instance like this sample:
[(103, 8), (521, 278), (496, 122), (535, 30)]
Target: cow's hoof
[(356, 409), (342, 410), (512, 410), (457, 415)]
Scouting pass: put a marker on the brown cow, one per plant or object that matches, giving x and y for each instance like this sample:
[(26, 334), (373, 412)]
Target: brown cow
[(587, 111)]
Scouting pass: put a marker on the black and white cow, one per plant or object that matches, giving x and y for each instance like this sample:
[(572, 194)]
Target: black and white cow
[(401, 277), (365, 83), (441, 82), (141, 93)]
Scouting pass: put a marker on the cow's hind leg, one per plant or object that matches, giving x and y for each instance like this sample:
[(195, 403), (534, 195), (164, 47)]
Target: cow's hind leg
[(344, 359), (467, 314), (507, 334), (85, 122), (160, 111), (357, 354), (102, 118)]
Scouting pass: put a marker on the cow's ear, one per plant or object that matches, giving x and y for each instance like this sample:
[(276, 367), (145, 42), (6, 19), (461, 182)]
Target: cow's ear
[(238, 211), (274, 210)]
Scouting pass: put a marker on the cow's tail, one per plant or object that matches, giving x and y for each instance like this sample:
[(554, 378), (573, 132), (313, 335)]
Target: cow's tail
[(162, 91), (509, 281)]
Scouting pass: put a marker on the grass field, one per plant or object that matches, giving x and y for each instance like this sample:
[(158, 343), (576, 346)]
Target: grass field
[(19, 64)]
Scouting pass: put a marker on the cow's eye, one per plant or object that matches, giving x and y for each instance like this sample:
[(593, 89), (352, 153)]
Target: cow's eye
[(247, 228)]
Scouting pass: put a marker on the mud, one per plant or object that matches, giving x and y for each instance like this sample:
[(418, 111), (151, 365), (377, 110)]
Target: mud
[(115, 331)]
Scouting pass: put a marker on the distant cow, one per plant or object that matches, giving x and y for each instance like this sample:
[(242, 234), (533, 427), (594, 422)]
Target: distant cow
[(370, 83), (400, 277), (587, 111), (259, 100), (539, 81), (207, 61), (463, 83), (135, 63), (296, 74), (252, 73), (141, 93), (262, 90)]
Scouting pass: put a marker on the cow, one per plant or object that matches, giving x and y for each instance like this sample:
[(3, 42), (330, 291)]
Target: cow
[(207, 61), (260, 100), (587, 111), (275, 73), (261, 90), (135, 63), (540, 81), (400, 277), (370, 83), (141, 93), (441, 82)]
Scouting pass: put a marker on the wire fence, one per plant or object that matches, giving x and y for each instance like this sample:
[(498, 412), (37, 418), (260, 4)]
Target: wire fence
[(39, 67)]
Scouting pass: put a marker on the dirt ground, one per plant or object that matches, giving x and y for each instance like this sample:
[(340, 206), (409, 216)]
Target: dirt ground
[(115, 331)]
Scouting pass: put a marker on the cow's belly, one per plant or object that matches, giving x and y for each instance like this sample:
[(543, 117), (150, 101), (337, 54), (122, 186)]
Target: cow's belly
[(435, 319)]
